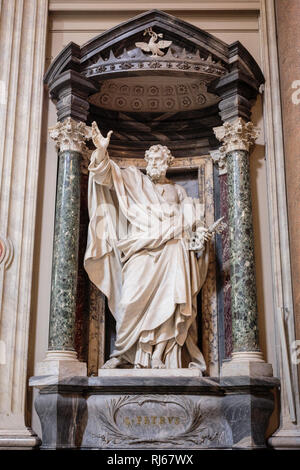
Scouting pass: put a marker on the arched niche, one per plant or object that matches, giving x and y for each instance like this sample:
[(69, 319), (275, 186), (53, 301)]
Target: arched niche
[(174, 95)]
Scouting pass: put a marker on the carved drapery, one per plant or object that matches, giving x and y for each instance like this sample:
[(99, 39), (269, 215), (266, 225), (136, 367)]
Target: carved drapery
[(202, 167)]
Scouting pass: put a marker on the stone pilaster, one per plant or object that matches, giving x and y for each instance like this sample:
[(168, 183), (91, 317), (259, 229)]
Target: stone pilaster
[(283, 36), (61, 358), (23, 29), (237, 138)]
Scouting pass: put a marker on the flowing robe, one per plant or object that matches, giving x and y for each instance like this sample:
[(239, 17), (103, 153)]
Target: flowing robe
[(138, 257)]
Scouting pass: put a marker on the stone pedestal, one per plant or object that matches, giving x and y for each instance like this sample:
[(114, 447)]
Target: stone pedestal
[(149, 412)]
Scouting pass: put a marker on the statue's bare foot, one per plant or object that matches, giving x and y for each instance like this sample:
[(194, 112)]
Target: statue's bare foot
[(156, 363), (137, 366), (113, 363)]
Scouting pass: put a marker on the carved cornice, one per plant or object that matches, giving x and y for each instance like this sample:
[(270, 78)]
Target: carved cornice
[(70, 135), (70, 91), (237, 135), (136, 60)]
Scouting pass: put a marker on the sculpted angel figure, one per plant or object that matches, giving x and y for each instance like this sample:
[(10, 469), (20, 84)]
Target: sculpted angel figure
[(138, 254)]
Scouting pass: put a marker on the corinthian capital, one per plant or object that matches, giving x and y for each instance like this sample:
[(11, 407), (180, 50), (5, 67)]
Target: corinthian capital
[(70, 135), (237, 135)]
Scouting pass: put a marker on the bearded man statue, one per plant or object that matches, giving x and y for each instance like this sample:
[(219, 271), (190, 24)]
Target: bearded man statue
[(138, 254)]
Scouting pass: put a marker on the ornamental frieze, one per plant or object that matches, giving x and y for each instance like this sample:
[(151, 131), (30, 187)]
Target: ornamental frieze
[(136, 59)]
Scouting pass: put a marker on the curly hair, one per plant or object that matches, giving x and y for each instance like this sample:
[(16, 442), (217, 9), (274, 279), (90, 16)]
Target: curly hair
[(155, 148)]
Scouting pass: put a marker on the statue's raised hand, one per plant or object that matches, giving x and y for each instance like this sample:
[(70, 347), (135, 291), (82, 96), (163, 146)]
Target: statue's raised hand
[(99, 141)]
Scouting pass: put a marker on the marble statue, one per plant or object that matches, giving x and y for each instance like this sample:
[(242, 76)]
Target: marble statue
[(147, 251)]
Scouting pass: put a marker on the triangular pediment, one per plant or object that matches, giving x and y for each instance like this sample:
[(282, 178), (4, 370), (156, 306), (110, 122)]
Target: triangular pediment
[(185, 38), (191, 51), (182, 34)]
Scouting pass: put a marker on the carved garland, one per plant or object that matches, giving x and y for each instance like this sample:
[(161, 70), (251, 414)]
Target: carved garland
[(195, 433)]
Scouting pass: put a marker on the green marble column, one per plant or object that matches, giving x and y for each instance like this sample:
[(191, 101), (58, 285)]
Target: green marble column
[(65, 253), (237, 137), (242, 267), (61, 358)]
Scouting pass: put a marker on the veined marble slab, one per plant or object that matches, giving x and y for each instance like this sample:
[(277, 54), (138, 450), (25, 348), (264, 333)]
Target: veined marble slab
[(149, 373)]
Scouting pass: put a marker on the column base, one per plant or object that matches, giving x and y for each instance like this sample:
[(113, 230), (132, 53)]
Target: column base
[(61, 364), (247, 363), (154, 412), (285, 439), (18, 439)]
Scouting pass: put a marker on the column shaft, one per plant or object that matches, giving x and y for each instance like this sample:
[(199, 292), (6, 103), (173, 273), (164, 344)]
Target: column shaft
[(61, 358), (243, 287), (65, 253)]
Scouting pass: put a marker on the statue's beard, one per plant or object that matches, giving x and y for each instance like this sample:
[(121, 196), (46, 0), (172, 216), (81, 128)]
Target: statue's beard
[(155, 174)]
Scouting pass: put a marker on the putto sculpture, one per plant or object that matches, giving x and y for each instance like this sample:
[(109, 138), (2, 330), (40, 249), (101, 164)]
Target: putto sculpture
[(147, 251)]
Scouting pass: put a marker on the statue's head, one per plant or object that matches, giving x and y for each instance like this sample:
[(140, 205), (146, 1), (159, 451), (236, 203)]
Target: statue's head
[(158, 159)]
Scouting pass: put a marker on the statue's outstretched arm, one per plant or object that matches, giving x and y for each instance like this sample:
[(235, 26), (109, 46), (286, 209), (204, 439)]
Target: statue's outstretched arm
[(100, 164), (101, 143)]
